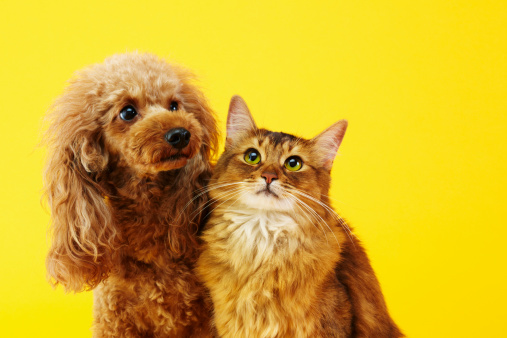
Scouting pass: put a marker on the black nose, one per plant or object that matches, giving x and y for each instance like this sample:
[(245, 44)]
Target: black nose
[(178, 137)]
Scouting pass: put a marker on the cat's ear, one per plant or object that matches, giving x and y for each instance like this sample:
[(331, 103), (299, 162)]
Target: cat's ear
[(239, 119), (328, 142)]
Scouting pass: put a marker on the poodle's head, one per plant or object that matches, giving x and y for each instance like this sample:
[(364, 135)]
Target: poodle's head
[(138, 110), (133, 112)]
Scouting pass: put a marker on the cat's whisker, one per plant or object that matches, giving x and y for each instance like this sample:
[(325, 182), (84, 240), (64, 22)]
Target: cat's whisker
[(217, 198), (207, 189), (309, 211), (228, 192), (203, 191), (218, 184), (236, 193), (297, 204), (223, 194), (206, 204), (334, 199), (313, 212), (330, 210), (343, 224), (287, 186), (237, 199), (214, 185)]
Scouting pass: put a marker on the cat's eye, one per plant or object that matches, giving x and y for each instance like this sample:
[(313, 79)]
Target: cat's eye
[(294, 163), (128, 113), (252, 156), (173, 106)]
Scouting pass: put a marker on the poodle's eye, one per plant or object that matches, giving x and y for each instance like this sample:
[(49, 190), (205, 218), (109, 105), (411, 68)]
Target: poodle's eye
[(128, 113), (173, 106)]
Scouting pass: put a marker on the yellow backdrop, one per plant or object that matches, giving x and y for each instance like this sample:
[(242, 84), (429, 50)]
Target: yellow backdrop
[(421, 173)]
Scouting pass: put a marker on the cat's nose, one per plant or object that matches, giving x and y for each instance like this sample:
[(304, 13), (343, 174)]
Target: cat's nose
[(269, 177)]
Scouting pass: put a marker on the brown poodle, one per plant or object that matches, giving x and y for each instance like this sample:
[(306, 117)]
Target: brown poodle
[(129, 144)]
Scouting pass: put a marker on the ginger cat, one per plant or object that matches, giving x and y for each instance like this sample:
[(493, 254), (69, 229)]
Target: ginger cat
[(277, 260)]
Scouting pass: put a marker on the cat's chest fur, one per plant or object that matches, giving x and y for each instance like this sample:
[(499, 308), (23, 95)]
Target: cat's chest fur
[(256, 236), (267, 273)]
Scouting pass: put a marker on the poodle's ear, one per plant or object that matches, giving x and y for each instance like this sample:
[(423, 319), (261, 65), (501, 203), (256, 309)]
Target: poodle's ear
[(200, 171), (195, 102), (82, 232)]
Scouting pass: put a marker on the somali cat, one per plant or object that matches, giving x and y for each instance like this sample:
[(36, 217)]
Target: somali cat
[(277, 260)]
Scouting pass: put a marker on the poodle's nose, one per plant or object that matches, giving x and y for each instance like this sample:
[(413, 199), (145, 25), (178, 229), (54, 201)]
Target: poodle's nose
[(178, 137)]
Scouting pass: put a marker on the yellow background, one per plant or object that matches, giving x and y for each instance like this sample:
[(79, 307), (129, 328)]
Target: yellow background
[(421, 173)]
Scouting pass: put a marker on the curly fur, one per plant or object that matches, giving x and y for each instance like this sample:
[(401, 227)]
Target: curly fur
[(120, 223)]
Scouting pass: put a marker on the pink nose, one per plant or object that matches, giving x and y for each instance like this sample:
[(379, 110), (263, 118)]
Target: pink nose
[(269, 177)]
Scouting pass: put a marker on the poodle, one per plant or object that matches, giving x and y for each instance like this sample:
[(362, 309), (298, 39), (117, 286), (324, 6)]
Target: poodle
[(129, 146)]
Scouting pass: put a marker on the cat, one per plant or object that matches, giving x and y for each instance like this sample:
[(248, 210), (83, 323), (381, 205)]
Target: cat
[(276, 259)]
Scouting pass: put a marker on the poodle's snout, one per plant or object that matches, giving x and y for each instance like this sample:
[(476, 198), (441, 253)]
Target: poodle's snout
[(178, 137)]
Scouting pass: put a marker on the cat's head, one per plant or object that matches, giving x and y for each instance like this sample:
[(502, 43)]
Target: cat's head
[(261, 169)]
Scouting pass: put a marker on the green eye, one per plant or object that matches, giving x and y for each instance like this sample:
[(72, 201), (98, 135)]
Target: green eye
[(294, 163), (252, 156)]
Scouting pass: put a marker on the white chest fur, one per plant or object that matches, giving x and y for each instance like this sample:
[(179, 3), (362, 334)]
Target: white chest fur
[(254, 236), (260, 256)]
